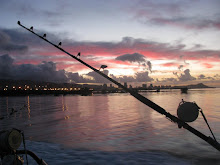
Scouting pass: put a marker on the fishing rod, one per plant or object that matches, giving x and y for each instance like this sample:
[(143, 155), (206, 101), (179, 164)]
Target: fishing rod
[(172, 118)]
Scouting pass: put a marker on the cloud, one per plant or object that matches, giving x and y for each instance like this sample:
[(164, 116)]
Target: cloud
[(135, 57), (7, 45), (173, 14), (46, 71), (187, 22), (170, 64), (123, 78), (124, 50), (186, 76), (149, 66), (143, 77), (97, 78), (175, 73), (127, 79), (138, 77), (180, 67), (201, 76), (169, 80), (6, 68), (129, 50), (208, 65), (76, 78)]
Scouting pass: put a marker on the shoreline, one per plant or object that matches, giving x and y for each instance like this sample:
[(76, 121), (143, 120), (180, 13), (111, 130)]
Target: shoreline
[(82, 92)]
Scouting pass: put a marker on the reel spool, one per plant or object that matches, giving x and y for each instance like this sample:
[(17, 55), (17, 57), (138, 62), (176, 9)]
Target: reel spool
[(188, 111), (10, 140)]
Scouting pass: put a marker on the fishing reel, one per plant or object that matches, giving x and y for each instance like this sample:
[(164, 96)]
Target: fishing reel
[(189, 112), (10, 141)]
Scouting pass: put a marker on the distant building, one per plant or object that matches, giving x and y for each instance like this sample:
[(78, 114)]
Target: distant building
[(144, 85), (151, 86), (104, 86), (125, 84)]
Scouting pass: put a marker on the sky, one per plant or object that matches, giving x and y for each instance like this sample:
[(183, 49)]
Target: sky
[(141, 41)]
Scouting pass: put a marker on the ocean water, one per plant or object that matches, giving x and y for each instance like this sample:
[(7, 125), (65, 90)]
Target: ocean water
[(113, 128)]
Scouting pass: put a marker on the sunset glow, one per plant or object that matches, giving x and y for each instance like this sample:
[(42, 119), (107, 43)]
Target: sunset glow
[(170, 42)]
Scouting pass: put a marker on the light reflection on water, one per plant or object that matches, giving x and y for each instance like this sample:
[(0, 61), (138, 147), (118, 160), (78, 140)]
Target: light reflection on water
[(114, 122)]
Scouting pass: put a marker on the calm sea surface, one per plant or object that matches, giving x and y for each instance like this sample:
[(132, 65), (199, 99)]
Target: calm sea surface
[(113, 128)]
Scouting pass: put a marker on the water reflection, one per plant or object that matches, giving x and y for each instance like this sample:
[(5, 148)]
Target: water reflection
[(64, 106), (7, 105), (113, 122), (28, 107)]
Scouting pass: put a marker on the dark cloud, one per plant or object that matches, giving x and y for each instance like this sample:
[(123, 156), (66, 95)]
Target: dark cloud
[(126, 79), (6, 68), (21, 36), (123, 78), (139, 77), (149, 66), (76, 78), (175, 73), (143, 77), (17, 40), (135, 57), (201, 76), (169, 80), (8, 45), (42, 52), (4, 38), (180, 67), (186, 62), (46, 71), (98, 78), (186, 76)]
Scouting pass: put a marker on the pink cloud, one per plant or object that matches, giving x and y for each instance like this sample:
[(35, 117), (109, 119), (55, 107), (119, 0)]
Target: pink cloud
[(99, 53), (170, 64), (207, 65), (95, 53)]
